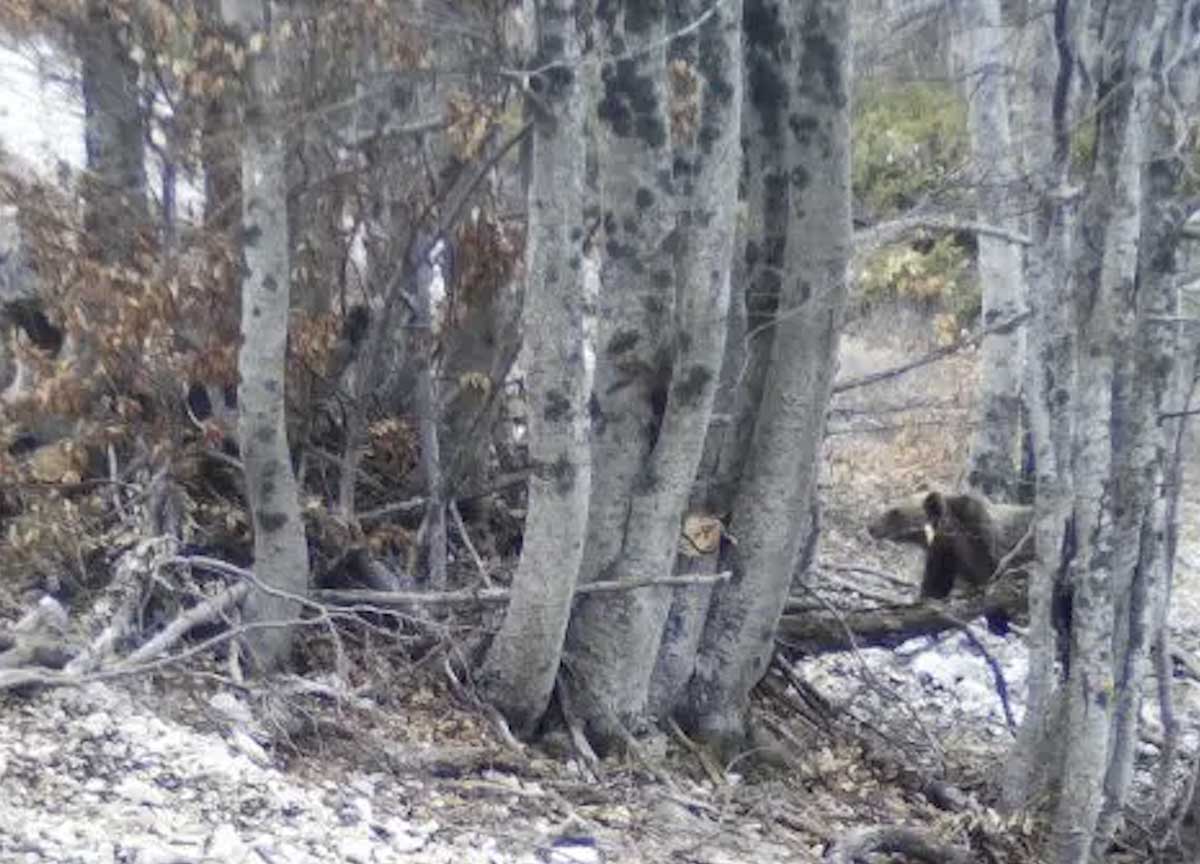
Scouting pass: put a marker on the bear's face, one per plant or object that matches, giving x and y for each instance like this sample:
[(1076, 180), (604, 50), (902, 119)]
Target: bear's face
[(904, 521)]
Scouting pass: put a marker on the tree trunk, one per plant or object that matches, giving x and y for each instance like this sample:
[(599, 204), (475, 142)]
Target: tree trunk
[(280, 550), (779, 480), (1050, 379), (993, 464), (520, 669), (115, 207), (612, 640), (708, 155)]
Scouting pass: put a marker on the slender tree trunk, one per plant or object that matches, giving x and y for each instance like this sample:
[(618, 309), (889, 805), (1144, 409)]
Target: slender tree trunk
[(520, 669), (708, 155), (779, 480), (280, 550), (993, 464), (1050, 379), (115, 206)]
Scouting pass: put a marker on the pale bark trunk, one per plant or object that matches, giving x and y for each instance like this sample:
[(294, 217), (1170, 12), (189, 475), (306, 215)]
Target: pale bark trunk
[(1050, 381), (519, 672), (993, 463), (280, 550), (610, 649), (779, 481), (711, 160)]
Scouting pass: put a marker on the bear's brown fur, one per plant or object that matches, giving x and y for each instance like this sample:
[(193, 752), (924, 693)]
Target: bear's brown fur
[(964, 536)]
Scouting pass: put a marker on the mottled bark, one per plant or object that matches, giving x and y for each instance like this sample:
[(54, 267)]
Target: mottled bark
[(636, 346), (280, 550), (993, 463), (520, 669), (708, 155), (779, 479)]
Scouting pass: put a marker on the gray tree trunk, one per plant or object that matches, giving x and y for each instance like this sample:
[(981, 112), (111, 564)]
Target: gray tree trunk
[(115, 206), (280, 549), (1050, 378), (612, 639), (993, 463), (779, 481), (520, 669), (709, 153)]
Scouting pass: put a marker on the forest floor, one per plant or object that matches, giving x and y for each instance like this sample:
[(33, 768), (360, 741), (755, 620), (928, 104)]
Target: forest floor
[(186, 766)]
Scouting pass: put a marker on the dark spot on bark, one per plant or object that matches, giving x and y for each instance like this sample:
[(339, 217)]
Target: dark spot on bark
[(1102, 699), (575, 263), (268, 487), (644, 198), (576, 234), (662, 279), (251, 234), (596, 413), (803, 291), (562, 472), (820, 75), (264, 434), (271, 386), (665, 181), (255, 312), (691, 386), (684, 341), (623, 341), (552, 275), (271, 521), (558, 407), (641, 16), (615, 249), (269, 283), (645, 483), (670, 243), (630, 224), (804, 128), (654, 306), (800, 178), (631, 105)]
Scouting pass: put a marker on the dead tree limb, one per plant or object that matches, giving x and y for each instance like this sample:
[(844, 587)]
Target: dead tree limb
[(857, 845), (887, 627), (491, 596)]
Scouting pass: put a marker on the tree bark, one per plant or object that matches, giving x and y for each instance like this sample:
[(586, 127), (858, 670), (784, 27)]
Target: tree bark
[(521, 666), (993, 463), (707, 157), (633, 520), (779, 480), (280, 549), (115, 207)]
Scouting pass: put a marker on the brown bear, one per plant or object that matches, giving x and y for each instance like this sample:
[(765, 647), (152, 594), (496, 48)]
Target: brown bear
[(964, 537)]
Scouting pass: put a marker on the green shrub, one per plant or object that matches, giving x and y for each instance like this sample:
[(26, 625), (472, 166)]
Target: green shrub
[(938, 279), (907, 139)]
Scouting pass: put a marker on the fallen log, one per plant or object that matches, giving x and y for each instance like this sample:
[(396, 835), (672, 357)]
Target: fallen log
[(829, 629)]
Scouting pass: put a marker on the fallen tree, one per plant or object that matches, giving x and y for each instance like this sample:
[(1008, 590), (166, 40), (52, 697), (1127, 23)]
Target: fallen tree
[(820, 631)]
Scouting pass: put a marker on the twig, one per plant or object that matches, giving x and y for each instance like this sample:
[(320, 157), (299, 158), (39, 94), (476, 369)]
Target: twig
[(575, 726), (461, 527), (202, 613), (711, 769), (932, 356)]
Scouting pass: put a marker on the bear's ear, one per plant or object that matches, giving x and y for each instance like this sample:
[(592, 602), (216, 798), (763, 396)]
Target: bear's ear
[(935, 507)]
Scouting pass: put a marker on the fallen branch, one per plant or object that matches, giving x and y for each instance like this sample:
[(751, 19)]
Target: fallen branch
[(887, 627), (487, 596), (895, 841)]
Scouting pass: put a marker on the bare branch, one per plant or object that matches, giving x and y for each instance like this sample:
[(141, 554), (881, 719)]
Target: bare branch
[(932, 356)]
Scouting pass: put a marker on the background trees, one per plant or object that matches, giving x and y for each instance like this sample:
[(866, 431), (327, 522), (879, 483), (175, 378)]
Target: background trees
[(653, 203)]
